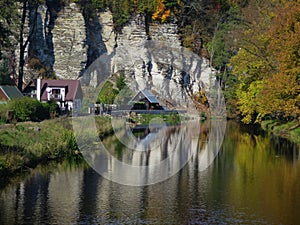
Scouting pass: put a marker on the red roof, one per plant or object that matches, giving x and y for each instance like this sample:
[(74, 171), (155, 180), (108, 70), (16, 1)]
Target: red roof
[(71, 88)]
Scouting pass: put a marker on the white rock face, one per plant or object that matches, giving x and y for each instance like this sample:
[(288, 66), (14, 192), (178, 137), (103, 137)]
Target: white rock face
[(69, 43), (150, 55), (107, 33), (159, 64)]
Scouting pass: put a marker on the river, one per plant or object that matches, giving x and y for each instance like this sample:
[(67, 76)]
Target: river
[(254, 179)]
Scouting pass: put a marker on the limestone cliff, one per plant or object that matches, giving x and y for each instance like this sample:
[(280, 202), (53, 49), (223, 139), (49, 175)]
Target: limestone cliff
[(150, 54)]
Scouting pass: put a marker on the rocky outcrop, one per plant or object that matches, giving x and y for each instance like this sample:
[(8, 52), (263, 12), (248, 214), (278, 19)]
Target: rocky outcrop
[(63, 39), (152, 57), (69, 43), (149, 53), (107, 31)]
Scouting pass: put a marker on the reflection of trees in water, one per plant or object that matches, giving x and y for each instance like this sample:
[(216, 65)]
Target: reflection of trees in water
[(203, 135)]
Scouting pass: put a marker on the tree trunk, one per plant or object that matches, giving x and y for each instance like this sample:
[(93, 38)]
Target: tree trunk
[(23, 44), (22, 47)]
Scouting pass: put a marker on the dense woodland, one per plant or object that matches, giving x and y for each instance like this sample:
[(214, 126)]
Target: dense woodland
[(254, 44)]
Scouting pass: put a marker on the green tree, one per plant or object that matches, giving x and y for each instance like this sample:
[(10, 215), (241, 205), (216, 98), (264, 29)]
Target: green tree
[(4, 72), (107, 94), (121, 82)]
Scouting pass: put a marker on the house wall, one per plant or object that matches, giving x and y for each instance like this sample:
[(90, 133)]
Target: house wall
[(3, 97), (79, 93)]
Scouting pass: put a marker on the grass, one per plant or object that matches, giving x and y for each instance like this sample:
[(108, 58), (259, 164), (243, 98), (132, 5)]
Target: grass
[(28, 144)]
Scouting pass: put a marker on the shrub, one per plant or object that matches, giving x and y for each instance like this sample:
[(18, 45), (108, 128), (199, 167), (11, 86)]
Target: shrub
[(3, 111), (53, 108), (26, 109)]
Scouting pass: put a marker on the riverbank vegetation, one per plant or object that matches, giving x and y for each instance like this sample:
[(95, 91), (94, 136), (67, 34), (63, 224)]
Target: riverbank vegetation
[(26, 144), (289, 130), (27, 109)]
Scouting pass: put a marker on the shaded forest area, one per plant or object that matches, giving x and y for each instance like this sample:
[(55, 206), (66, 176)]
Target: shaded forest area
[(254, 44)]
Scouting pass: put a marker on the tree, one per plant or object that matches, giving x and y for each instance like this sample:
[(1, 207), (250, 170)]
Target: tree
[(267, 64), (162, 12), (26, 109), (107, 94), (120, 82), (283, 86), (4, 71), (24, 40)]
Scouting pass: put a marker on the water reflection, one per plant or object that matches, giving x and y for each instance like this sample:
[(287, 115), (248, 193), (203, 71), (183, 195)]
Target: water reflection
[(254, 179), (147, 155)]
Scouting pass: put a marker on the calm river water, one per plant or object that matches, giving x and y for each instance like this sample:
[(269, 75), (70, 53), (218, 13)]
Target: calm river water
[(255, 179)]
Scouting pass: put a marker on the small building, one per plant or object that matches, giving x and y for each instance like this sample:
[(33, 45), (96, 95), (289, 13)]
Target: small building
[(67, 93), (9, 92), (145, 100)]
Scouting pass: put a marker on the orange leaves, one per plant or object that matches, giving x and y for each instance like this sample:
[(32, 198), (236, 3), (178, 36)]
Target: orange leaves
[(161, 13), (285, 33), (280, 94), (284, 86)]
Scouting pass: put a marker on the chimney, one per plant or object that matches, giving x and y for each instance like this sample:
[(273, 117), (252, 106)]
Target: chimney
[(38, 89), (63, 94)]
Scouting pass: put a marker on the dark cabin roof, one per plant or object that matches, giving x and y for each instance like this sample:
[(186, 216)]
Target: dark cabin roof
[(11, 92), (149, 96), (71, 86)]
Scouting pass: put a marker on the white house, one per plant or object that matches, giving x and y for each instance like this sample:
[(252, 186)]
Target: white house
[(67, 93)]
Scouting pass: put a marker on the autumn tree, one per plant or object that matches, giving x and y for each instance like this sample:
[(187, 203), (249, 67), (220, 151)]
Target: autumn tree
[(267, 64), (162, 12), (281, 94)]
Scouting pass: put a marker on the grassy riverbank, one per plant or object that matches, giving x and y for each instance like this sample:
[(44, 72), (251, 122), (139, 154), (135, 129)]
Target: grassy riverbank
[(289, 130), (27, 144)]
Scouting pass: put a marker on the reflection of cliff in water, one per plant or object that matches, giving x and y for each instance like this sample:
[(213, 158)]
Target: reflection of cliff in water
[(152, 156), (176, 144)]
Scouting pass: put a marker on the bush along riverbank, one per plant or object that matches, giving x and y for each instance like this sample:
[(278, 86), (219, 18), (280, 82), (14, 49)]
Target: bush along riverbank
[(289, 130), (25, 145)]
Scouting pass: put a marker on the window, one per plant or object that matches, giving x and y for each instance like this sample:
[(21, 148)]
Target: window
[(56, 93)]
